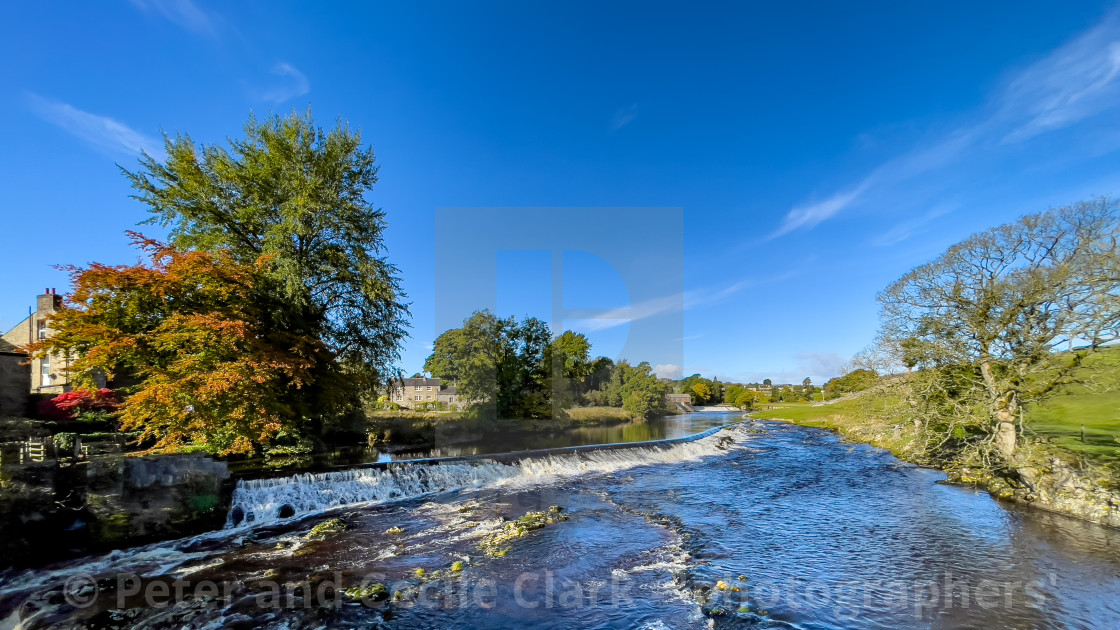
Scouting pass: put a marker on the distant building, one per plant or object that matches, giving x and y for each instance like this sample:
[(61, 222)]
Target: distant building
[(48, 374), (410, 392), (680, 402)]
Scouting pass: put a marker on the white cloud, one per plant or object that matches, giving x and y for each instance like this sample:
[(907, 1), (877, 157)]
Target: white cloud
[(1074, 82), (182, 12), (623, 117), (667, 370), (292, 83), (906, 229), (808, 216), (820, 364), (656, 306), (105, 133)]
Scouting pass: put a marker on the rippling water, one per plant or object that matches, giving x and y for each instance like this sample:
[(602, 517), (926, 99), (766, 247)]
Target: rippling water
[(762, 525)]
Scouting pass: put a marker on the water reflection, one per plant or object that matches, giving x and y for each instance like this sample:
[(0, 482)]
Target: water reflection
[(669, 427)]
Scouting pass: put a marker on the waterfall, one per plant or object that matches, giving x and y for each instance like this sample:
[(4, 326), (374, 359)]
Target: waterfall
[(262, 501)]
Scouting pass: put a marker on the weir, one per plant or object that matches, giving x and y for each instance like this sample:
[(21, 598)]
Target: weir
[(263, 501)]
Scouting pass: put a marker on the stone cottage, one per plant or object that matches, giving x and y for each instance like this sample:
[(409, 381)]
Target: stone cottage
[(48, 375), (410, 392)]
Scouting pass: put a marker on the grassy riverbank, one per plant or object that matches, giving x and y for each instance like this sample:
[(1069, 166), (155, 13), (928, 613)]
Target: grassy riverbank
[(1079, 422)]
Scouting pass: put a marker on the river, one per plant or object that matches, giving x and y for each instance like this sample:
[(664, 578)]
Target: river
[(758, 525)]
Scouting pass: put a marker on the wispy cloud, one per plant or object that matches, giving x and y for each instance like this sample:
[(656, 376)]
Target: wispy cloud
[(656, 306), (668, 370), (104, 133), (906, 229), (182, 12), (808, 216), (623, 117), (1075, 82), (291, 83)]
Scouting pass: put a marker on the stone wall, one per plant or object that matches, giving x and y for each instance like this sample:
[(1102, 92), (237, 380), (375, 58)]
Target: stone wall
[(15, 384)]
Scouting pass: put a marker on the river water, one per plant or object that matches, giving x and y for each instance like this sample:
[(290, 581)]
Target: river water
[(757, 525)]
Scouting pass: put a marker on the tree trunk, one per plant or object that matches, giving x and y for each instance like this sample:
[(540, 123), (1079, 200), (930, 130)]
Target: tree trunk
[(1004, 407)]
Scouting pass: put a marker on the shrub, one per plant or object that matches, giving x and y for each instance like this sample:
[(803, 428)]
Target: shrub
[(84, 404)]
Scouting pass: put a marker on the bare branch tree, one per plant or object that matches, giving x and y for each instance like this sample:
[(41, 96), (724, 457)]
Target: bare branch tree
[(1004, 303)]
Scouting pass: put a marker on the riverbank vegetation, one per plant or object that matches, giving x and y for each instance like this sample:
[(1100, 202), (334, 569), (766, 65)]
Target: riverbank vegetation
[(1011, 374), (509, 369)]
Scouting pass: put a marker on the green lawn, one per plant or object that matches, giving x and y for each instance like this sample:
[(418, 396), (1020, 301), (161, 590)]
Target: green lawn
[(1095, 404), (801, 412)]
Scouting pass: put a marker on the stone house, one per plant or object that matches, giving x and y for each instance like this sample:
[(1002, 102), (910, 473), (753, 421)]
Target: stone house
[(410, 392), (15, 380), (48, 374)]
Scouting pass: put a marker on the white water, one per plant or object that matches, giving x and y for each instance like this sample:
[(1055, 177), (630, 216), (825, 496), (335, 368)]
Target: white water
[(261, 501)]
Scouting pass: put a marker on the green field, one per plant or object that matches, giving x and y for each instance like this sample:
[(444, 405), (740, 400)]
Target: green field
[(1093, 402)]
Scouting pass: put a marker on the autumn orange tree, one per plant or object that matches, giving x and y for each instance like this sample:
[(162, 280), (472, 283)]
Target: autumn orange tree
[(217, 363)]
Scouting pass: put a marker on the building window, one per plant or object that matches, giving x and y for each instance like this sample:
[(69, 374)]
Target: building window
[(418, 397), (429, 388), (419, 388)]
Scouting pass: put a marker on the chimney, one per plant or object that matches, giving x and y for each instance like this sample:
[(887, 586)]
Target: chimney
[(48, 302)]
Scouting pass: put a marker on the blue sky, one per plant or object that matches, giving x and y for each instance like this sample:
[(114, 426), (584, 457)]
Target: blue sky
[(816, 151)]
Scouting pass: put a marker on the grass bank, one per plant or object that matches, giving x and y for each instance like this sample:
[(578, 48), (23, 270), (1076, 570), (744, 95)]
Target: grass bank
[(599, 415)]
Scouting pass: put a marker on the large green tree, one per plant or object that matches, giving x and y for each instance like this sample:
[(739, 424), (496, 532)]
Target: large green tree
[(297, 194), (568, 365), (998, 307), (498, 364), (636, 389)]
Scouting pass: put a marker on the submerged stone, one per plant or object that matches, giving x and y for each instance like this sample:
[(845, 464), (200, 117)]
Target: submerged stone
[(327, 528)]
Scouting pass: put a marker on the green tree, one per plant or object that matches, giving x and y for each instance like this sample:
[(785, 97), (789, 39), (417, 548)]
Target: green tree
[(446, 353), (566, 360), (854, 381), (499, 365), (732, 392), (717, 391), (746, 399), (1002, 303), (298, 194), (636, 389)]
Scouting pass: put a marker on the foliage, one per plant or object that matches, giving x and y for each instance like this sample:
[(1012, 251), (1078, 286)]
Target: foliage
[(701, 393), (295, 194), (636, 389), (994, 309), (218, 362), (84, 403), (568, 366), (747, 399), (497, 364), (854, 381), (64, 443)]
